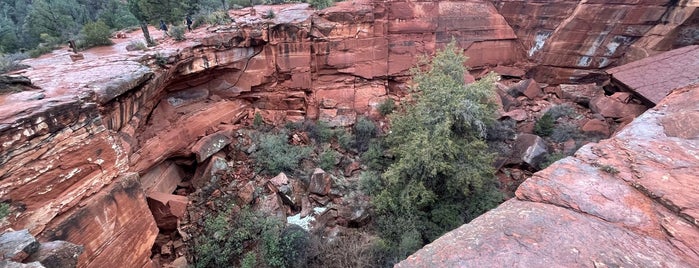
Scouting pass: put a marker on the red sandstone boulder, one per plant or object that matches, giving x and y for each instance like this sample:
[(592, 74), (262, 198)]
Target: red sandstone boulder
[(596, 126), (163, 178), (167, 209), (17, 245), (209, 145), (612, 108), (581, 94), (528, 88), (529, 149), (210, 170), (57, 254), (320, 182)]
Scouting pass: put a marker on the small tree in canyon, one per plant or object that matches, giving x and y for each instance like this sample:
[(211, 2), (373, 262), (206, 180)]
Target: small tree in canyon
[(441, 175)]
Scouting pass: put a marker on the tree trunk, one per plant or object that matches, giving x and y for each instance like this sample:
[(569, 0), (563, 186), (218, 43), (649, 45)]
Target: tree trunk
[(146, 34)]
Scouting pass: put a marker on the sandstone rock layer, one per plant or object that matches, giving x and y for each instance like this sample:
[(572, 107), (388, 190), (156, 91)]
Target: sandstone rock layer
[(623, 202)]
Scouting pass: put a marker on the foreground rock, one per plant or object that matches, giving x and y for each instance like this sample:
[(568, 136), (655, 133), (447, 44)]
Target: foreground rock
[(622, 202)]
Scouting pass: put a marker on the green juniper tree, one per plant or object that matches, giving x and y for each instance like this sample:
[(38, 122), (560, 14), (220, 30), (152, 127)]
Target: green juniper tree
[(441, 175)]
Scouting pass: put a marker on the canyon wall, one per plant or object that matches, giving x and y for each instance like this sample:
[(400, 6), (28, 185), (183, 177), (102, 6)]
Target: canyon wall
[(628, 201), (74, 151), (571, 39)]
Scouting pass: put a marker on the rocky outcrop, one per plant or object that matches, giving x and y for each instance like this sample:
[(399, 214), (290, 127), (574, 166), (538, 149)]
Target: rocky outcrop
[(573, 39), (654, 77), (624, 201), (82, 147)]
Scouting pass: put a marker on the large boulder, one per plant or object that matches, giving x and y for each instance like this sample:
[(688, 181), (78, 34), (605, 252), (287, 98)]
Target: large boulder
[(167, 209), (57, 254), (320, 182), (17, 245), (209, 145), (581, 94), (210, 171), (613, 108), (529, 149)]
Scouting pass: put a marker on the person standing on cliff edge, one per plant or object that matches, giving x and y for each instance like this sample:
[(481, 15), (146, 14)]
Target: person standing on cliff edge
[(163, 27), (188, 20)]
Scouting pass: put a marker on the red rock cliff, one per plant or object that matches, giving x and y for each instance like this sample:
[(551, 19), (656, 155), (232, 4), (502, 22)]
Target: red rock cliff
[(72, 151)]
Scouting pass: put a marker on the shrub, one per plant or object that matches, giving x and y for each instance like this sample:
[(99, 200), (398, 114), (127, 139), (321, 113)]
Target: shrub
[(501, 130), (609, 169), (370, 182), (269, 15), (213, 19), (10, 62), (559, 111), (137, 45), (350, 249), (257, 121), (95, 34), (320, 4), (374, 156), (160, 59), (275, 154), (319, 130), (4, 210), (328, 159), (345, 139), (177, 32), (565, 131), (225, 239), (551, 158), (387, 106), (48, 44), (544, 126), (364, 131)]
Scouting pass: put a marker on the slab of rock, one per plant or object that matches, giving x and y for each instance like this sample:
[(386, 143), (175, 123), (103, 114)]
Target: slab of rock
[(596, 126), (529, 149), (320, 182), (210, 170), (57, 254), (163, 178), (118, 219), (622, 202), (279, 180), (528, 88), (613, 108), (17, 245), (581, 94), (11, 264), (518, 115), (167, 209), (509, 71), (209, 145)]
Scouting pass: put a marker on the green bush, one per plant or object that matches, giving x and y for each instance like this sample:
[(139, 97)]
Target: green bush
[(374, 156), (257, 121), (240, 240), (565, 131), (327, 160), (48, 44), (544, 126), (213, 19), (387, 106), (370, 182), (551, 158), (321, 4), (138, 45), (177, 32), (10, 62), (345, 139), (95, 34), (364, 131), (319, 131), (269, 15), (275, 154), (4, 210), (558, 111)]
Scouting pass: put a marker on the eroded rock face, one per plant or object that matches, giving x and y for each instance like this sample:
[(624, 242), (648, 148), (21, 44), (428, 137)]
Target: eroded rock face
[(573, 39), (621, 202), (68, 145)]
